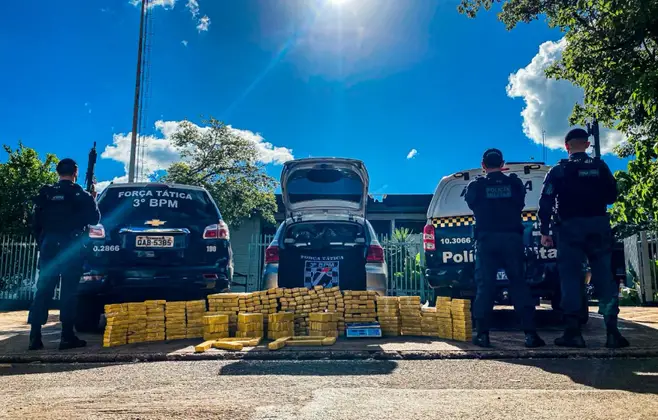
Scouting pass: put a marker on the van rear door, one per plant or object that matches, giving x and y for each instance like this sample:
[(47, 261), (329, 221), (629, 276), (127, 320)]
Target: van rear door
[(325, 185)]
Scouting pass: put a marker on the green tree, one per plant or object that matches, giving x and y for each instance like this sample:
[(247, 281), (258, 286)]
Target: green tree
[(226, 164), (612, 53), (21, 177)]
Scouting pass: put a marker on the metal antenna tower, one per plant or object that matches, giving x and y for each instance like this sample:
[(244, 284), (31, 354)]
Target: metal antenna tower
[(138, 80)]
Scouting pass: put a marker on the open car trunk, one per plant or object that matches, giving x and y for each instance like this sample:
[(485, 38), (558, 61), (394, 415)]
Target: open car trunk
[(325, 254)]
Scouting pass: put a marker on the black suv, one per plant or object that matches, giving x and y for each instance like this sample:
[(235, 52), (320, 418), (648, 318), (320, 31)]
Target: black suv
[(154, 241)]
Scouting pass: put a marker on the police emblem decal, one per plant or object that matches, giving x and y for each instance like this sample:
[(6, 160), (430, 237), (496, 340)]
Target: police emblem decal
[(321, 273)]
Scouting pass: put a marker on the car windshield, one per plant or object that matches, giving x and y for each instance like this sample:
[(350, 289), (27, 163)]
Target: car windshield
[(324, 184), (130, 204)]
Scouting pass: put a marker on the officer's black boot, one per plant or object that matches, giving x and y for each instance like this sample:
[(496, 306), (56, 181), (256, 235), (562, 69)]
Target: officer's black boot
[(533, 340), (69, 340), (35, 338), (614, 340), (572, 336), (481, 339)]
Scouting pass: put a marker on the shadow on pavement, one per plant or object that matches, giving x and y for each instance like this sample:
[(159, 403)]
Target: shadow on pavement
[(40, 368), (632, 375), (309, 368)]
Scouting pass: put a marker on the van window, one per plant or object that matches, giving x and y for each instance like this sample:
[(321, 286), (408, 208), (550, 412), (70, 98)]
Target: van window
[(136, 204), (324, 184), (452, 202)]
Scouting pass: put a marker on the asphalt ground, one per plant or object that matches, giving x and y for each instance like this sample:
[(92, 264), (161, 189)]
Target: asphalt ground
[(356, 390), (640, 325)]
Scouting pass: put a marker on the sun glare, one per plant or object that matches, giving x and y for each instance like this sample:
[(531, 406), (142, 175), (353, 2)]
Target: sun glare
[(338, 2)]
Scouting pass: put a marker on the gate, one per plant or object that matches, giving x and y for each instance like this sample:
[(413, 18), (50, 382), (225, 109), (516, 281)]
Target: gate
[(641, 254)]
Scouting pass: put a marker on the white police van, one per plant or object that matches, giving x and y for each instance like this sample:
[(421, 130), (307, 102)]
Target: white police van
[(448, 238)]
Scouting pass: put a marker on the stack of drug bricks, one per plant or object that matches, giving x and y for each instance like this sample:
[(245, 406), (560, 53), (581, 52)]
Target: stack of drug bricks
[(228, 304), (137, 326), (324, 324), (215, 327), (116, 329), (297, 301), (195, 310), (410, 315), (155, 320), (175, 320), (462, 324), (444, 314), (280, 325), (360, 306), (388, 315), (429, 322), (250, 325)]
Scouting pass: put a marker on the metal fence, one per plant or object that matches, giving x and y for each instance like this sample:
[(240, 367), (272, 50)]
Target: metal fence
[(19, 258)]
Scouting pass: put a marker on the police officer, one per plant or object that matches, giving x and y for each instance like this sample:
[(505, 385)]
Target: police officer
[(581, 188), (497, 201), (62, 213)]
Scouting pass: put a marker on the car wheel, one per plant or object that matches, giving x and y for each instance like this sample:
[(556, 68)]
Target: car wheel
[(88, 315)]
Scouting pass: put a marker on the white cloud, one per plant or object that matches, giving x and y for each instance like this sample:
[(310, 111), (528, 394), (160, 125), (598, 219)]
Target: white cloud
[(550, 102), (193, 5), (167, 4), (204, 23), (412, 153), (184, 42), (160, 152)]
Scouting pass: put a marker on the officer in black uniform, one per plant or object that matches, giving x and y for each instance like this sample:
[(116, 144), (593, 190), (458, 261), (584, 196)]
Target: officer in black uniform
[(581, 188), (497, 201), (62, 213)]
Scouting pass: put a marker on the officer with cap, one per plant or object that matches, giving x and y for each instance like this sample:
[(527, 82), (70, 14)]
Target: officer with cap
[(497, 201), (581, 188), (63, 212)]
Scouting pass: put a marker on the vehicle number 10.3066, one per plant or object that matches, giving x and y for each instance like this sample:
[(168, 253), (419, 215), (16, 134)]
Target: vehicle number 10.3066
[(448, 241)]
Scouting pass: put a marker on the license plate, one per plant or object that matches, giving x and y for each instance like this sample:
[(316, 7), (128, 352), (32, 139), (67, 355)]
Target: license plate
[(154, 242), (501, 275)]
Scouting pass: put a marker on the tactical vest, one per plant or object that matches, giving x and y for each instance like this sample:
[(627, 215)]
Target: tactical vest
[(500, 204), (582, 190), (61, 204)]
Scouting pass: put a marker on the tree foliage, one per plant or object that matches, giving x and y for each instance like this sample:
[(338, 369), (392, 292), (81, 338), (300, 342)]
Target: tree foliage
[(227, 165), (612, 53), (21, 177)]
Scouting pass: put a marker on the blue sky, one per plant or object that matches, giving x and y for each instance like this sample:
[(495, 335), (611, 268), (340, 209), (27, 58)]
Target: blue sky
[(369, 79)]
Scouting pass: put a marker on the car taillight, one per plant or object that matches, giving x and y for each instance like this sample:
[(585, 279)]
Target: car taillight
[(97, 231), (272, 254), (375, 254), (218, 231), (429, 240)]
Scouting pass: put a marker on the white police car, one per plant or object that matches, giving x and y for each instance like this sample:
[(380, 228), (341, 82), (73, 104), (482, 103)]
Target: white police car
[(448, 238)]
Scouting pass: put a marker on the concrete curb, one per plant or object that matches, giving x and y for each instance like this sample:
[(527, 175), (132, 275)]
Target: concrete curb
[(63, 357)]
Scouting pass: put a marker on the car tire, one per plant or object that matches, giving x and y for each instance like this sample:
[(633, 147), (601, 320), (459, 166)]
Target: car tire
[(88, 315)]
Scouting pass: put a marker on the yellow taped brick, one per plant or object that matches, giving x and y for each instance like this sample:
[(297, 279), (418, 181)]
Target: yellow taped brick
[(225, 345), (206, 345)]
